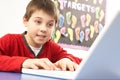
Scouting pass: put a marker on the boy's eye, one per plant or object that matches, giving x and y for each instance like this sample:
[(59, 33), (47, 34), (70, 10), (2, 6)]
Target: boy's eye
[(37, 21), (50, 24)]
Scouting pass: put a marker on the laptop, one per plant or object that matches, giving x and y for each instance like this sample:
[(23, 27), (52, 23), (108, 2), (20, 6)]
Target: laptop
[(102, 61)]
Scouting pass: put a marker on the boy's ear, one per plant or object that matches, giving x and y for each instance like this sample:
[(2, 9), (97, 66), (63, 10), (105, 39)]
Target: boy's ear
[(25, 21)]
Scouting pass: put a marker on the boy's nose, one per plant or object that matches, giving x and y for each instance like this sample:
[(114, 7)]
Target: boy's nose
[(43, 28)]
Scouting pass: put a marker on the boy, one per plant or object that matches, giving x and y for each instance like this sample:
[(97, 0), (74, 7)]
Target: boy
[(34, 48)]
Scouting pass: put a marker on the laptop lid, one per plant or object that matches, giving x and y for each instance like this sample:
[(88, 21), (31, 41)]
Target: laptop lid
[(103, 61)]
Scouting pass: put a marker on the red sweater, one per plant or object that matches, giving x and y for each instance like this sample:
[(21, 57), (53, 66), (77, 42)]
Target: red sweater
[(14, 50)]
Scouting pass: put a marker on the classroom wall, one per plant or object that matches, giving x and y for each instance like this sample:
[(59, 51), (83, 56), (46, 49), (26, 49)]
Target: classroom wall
[(12, 11)]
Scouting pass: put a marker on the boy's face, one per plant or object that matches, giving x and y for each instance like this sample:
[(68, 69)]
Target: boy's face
[(39, 28)]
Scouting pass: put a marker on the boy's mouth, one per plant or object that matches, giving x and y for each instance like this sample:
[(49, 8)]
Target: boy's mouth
[(41, 36)]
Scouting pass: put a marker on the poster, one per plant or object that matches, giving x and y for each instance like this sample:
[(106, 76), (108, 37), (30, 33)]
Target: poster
[(80, 22)]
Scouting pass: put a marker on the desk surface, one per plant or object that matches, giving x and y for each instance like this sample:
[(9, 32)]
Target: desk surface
[(19, 76)]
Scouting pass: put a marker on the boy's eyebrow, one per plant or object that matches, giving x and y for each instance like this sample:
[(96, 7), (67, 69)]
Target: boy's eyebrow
[(51, 20), (38, 17)]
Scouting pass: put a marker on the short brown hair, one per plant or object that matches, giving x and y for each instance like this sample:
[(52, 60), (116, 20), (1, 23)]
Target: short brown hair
[(46, 5)]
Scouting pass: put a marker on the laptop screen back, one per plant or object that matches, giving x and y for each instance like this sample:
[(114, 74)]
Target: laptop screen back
[(104, 61)]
